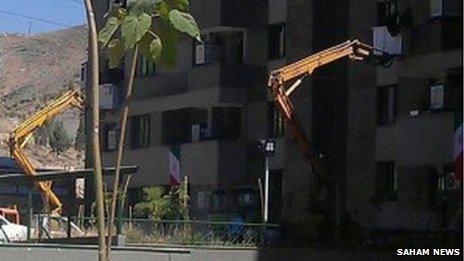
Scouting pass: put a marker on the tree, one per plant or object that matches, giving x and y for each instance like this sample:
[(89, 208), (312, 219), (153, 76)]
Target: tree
[(157, 44), (158, 205), (79, 142), (59, 139), (43, 133), (95, 105), (154, 204)]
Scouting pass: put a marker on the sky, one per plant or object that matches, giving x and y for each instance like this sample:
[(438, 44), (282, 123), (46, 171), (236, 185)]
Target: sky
[(36, 16)]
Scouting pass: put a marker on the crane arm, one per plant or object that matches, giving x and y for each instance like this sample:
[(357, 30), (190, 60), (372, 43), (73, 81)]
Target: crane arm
[(21, 134), (278, 81), (354, 49)]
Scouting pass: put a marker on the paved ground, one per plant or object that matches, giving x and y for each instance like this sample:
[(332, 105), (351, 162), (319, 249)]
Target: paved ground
[(33, 252)]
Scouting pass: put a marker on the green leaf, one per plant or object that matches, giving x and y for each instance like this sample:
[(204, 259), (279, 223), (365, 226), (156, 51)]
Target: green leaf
[(134, 28), (116, 52), (151, 46), (168, 37), (139, 7), (163, 9), (179, 4), (117, 11), (107, 32), (185, 23)]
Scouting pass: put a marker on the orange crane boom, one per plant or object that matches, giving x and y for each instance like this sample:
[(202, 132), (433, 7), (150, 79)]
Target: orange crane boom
[(21, 135), (281, 90)]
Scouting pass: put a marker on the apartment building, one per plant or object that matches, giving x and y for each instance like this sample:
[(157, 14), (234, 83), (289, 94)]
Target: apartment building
[(211, 107), (385, 133)]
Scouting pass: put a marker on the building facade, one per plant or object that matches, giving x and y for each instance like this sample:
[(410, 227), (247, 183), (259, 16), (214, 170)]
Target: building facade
[(386, 133)]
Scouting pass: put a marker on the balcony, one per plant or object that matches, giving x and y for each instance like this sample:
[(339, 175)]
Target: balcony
[(226, 75), (222, 161), (224, 13), (160, 85), (438, 35), (409, 135), (232, 80), (115, 75)]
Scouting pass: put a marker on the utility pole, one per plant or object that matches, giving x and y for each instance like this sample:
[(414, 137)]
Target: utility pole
[(268, 148), (266, 189)]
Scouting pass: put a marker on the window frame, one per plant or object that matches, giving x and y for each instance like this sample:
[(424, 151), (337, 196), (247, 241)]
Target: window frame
[(282, 42), (135, 142), (384, 103), (276, 121), (107, 127), (143, 67), (389, 8), (386, 181)]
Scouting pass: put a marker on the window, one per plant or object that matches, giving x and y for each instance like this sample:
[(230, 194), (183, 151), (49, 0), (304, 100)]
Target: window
[(84, 72), (145, 67), (275, 201), (123, 3), (276, 121), (226, 122), (226, 47), (446, 8), (437, 97), (386, 181), (177, 125), (386, 105), (453, 90), (433, 186), (110, 137), (385, 11), (140, 131), (276, 41), (113, 2)]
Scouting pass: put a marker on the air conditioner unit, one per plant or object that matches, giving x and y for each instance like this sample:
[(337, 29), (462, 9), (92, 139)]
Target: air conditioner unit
[(385, 42), (111, 139), (110, 96), (200, 55), (195, 133), (437, 97), (448, 8)]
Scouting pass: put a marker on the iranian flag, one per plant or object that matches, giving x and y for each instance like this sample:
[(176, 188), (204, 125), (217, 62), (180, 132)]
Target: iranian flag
[(174, 166), (457, 155)]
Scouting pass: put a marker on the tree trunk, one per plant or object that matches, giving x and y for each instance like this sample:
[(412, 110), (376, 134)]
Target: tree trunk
[(122, 133), (96, 156)]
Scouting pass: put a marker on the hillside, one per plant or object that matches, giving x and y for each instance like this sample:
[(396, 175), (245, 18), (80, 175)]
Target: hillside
[(33, 70)]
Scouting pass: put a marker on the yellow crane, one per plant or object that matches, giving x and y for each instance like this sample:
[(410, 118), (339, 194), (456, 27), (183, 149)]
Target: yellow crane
[(281, 88), (21, 135)]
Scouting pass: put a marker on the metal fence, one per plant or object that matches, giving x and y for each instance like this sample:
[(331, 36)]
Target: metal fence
[(199, 233), (160, 232)]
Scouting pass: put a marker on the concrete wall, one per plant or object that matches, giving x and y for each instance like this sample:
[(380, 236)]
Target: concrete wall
[(361, 118)]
